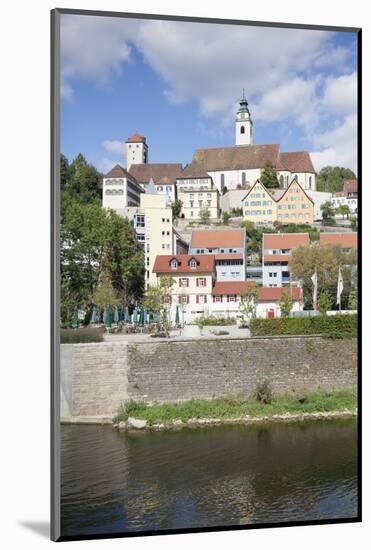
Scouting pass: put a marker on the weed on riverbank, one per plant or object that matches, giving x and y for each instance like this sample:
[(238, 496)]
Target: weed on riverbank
[(238, 406)]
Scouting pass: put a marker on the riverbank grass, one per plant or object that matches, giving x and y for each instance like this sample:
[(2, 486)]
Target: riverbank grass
[(237, 406)]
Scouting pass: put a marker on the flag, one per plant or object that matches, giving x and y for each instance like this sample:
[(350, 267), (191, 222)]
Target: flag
[(315, 284), (340, 288)]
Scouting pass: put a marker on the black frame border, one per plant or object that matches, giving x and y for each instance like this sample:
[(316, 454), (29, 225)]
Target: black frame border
[(55, 527)]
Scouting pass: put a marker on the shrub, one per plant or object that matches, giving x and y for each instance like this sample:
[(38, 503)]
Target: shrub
[(263, 392), (81, 336), (336, 326), (219, 321)]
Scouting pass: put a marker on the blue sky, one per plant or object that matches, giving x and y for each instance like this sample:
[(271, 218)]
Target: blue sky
[(179, 85)]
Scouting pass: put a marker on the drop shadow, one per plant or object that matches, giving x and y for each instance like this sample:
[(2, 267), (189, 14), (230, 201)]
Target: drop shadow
[(42, 528)]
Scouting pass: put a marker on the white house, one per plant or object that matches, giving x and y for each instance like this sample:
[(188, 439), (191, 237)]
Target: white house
[(120, 189)]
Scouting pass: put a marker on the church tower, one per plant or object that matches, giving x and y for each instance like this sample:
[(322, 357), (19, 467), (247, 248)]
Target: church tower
[(136, 150), (243, 123)]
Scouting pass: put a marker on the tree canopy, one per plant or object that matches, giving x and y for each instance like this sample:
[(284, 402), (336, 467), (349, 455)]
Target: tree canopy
[(331, 178), (269, 177), (80, 181)]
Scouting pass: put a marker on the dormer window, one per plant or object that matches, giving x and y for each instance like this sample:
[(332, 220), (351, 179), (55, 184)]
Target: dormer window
[(174, 264), (193, 264)]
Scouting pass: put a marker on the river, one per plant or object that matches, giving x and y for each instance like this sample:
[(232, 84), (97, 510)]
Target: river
[(123, 482)]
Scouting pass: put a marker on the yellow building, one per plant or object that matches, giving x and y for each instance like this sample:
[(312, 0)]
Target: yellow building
[(291, 205), (258, 205)]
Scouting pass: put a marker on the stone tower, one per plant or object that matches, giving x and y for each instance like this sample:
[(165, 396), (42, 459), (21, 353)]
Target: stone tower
[(243, 123), (136, 150)]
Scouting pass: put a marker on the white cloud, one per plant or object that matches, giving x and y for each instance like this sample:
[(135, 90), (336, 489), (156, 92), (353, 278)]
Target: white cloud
[(114, 146), (337, 147), (105, 164), (340, 94)]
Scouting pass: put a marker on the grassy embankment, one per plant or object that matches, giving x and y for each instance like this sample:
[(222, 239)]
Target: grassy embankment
[(236, 407)]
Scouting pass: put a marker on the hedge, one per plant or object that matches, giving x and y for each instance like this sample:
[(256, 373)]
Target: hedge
[(336, 326), (81, 336)]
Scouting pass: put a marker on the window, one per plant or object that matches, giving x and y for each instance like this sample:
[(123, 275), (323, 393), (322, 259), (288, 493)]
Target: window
[(140, 237), (310, 182), (281, 181), (139, 220), (183, 281), (217, 298), (222, 180), (242, 129), (163, 220), (191, 203), (201, 281), (168, 220), (231, 298), (191, 213), (243, 177), (168, 188), (160, 188), (174, 264), (193, 264)]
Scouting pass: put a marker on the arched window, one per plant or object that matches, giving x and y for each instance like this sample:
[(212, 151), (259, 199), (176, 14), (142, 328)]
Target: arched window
[(222, 181), (281, 180), (174, 264), (242, 130), (243, 177)]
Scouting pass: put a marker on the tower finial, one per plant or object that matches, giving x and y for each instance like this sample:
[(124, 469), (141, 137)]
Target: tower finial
[(243, 93)]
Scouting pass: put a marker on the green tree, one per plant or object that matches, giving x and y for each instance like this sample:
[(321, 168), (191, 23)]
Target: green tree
[(331, 178), (343, 210), (269, 177), (327, 210), (286, 303), (205, 215), (226, 218), (80, 181), (326, 260), (104, 295), (325, 302), (354, 224), (96, 242), (177, 208), (157, 300)]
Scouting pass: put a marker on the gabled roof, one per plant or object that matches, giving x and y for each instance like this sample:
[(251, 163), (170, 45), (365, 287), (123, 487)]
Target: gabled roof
[(157, 171), (297, 161), (205, 263), (345, 240), (294, 181), (218, 238), (194, 170), (285, 240), (268, 191), (236, 158), (136, 138), (119, 172)]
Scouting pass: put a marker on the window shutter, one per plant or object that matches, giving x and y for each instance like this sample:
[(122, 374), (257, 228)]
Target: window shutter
[(187, 281), (213, 298), (227, 297), (180, 281), (197, 281), (197, 299), (205, 299), (204, 281), (187, 299), (180, 298)]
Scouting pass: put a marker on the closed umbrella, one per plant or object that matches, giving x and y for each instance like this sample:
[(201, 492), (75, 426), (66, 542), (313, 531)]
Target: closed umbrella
[(75, 318), (94, 316), (116, 316), (177, 318), (107, 317), (135, 316), (126, 315), (141, 317), (145, 315)]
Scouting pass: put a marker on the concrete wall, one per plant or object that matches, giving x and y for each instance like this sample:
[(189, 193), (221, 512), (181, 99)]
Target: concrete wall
[(96, 378)]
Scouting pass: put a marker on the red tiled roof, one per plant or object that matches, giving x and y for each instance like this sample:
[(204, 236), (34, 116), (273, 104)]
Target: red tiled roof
[(265, 294), (119, 172), (350, 186), (135, 138), (284, 240), (346, 240), (217, 238), (205, 263), (228, 256), (194, 170), (297, 161), (237, 157), (157, 171)]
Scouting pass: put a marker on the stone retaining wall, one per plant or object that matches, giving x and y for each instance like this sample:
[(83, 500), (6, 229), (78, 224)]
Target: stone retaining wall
[(101, 376)]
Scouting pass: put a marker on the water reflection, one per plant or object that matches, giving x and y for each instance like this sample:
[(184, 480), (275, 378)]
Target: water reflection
[(114, 482)]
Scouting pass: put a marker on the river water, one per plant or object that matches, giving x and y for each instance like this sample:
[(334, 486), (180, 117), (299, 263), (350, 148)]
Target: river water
[(118, 482)]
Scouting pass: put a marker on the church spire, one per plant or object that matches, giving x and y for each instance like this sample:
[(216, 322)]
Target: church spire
[(243, 122)]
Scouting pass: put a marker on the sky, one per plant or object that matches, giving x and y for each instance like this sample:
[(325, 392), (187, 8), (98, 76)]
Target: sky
[(179, 84)]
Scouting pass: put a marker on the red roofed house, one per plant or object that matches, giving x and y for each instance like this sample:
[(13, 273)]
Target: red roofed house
[(347, 241), (229, 248), (348, 196), (277, 248), (197, 292)]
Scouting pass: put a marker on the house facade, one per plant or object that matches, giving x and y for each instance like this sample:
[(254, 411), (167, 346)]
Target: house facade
[(120, 189), (229, 248), (277, 249)]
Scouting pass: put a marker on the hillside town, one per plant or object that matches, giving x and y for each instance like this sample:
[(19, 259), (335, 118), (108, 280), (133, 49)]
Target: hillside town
[(192, 222)]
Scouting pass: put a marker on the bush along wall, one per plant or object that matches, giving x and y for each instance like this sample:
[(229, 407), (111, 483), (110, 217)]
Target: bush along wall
[(81, 336), (336, 326)]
